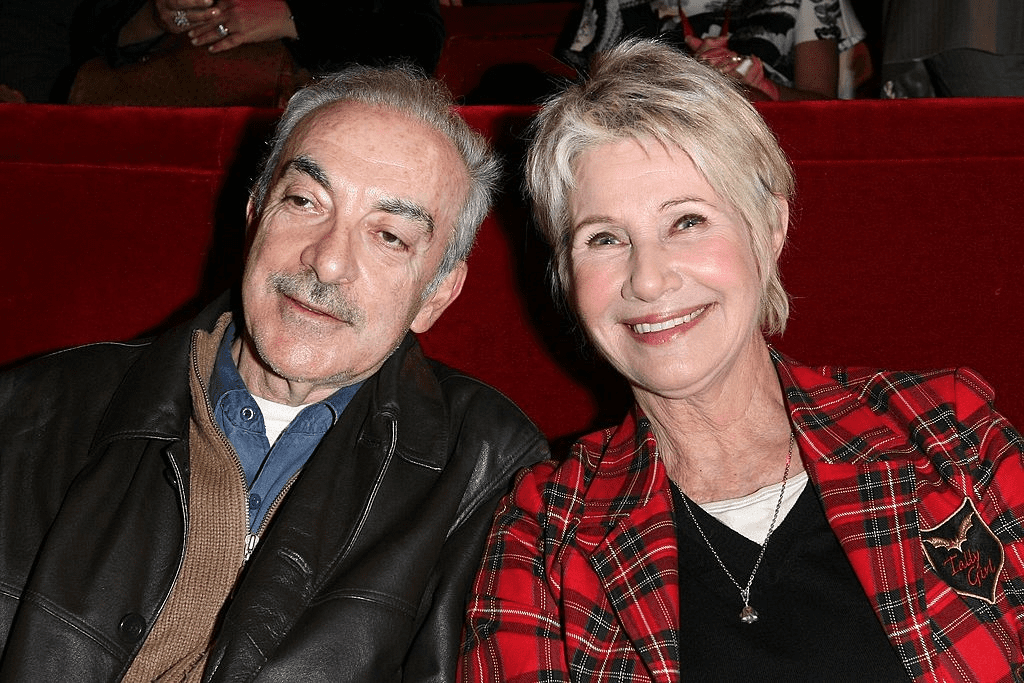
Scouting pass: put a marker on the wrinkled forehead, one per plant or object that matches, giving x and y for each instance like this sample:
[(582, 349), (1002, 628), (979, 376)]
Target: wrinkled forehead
[(366, 123), (602, 148), (392, 137)]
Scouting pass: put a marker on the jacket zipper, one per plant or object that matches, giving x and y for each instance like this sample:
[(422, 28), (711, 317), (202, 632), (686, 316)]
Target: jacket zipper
[(255, 538), (249, 544), (181, 496)]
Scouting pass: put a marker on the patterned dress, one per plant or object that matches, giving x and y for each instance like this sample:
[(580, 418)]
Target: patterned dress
[(769, 29)]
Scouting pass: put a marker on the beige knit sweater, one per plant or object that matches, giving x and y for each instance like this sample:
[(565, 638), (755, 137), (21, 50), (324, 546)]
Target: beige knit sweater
[(177, 646)]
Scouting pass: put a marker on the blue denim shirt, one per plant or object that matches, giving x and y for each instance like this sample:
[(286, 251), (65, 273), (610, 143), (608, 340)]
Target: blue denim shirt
[(267, 469)]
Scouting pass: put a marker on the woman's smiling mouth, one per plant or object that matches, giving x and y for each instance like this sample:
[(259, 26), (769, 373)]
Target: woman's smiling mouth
[(647, 328)]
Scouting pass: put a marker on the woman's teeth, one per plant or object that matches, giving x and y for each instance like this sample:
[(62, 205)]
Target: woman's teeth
[(645, 328)]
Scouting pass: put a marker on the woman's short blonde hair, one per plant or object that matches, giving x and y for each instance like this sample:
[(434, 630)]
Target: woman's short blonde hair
[(643, 89)]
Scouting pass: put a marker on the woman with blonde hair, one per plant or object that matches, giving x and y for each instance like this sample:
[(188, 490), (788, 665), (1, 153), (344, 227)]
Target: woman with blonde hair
[(751, 518)]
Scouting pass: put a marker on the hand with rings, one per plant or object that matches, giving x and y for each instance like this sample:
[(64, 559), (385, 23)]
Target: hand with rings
[(179, 16), (237, 22), (715, 52), (748, 70)]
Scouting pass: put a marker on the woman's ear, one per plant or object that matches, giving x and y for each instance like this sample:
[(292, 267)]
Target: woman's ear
[(779, 233)]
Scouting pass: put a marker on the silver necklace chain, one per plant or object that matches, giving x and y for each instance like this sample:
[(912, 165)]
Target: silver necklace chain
[(748, 615)]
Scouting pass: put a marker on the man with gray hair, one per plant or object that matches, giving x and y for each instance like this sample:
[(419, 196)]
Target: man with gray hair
[(285, 488)]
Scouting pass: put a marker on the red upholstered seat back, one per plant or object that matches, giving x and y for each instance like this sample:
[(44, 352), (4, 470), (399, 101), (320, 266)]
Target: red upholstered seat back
[(906, 249), (485, 37)]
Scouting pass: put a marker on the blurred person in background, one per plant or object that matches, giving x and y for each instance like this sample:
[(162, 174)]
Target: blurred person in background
[(778, 50), (162, 49), (953, 48)]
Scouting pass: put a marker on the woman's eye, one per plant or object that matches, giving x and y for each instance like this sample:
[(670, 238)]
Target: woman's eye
[(601, 239), (690, 220)]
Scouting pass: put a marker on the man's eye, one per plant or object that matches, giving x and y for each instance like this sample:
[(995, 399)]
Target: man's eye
[(391, 239), (299, 201)]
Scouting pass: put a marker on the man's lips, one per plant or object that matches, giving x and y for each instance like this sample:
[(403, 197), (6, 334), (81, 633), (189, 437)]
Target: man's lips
[(311, 308), (662, 325), (304, 294)]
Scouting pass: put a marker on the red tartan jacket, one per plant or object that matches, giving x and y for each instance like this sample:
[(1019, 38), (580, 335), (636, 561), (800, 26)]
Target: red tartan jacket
[(580, 578)]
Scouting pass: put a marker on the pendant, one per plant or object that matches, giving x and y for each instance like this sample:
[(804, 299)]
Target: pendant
[(748, 615)]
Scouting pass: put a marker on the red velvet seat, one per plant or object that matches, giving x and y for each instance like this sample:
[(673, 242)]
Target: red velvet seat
[(482, 37), (906, 249)]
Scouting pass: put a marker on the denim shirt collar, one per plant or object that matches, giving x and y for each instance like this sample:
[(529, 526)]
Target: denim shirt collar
[(267, 470), (226, 379)]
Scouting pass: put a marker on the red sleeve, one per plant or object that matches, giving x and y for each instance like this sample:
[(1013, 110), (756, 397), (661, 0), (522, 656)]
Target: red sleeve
[(513, 624)]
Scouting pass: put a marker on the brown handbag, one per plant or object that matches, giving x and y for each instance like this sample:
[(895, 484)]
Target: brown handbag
[(178, 73)]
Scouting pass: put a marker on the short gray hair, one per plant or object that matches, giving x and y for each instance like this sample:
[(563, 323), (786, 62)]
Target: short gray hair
[(406, 90), (645, 89)]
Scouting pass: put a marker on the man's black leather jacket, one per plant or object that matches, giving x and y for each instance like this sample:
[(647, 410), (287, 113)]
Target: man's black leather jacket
[(361, 576)]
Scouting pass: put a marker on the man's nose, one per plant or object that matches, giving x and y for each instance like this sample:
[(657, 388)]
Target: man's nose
[(652, 272), (332, 254)]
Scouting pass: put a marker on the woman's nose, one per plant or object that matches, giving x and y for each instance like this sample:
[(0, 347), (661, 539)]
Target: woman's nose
[(652, 273)]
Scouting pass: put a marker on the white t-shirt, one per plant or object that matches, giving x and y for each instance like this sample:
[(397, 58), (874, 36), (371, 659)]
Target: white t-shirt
[(751, 515), (276, 416)]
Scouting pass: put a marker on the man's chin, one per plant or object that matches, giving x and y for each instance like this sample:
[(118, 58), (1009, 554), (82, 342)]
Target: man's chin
[(294, 364), (302, 371)]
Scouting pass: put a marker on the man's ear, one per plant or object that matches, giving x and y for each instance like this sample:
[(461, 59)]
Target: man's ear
[(250, 227), (779, 236), (250, 217), (435, 304)]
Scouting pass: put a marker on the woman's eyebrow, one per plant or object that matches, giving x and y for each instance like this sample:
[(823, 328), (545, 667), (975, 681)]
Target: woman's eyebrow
[(592, 220), (668, 204)]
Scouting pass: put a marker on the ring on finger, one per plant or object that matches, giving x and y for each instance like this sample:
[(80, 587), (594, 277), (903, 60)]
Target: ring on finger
[(222, 30), (180, 18)]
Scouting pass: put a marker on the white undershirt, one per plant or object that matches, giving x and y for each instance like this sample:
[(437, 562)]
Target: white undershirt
[(276, 416), (751, 514)]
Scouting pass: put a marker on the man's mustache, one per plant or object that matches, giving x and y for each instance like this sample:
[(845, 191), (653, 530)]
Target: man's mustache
[(306, 288)]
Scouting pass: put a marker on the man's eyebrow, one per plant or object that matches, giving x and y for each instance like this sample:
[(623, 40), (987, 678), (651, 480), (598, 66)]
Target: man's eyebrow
[(408, 210), (306, 165)]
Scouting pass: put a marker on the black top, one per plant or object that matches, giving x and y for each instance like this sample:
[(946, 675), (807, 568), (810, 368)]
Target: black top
[(815, 621)]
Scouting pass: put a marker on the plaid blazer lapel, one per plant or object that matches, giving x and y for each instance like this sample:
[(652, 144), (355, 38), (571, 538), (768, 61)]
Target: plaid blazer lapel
[(872, 508), (870, 499), (637, 559)]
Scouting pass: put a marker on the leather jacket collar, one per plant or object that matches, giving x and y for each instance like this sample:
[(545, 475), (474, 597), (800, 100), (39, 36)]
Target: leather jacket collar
[(403, 384), (163, 364)]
